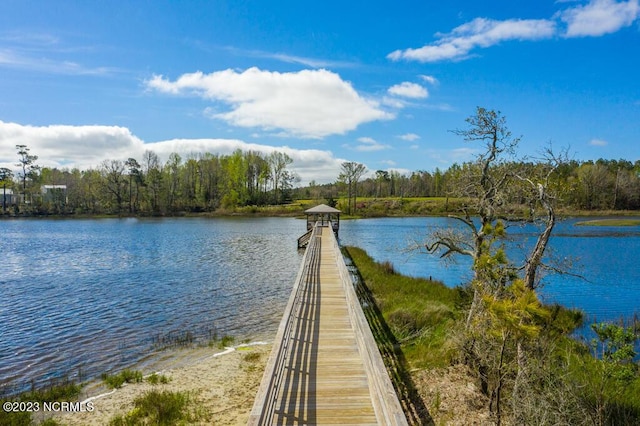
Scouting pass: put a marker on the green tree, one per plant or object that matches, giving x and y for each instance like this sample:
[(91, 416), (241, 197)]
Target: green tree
[(113, 181), (382, 179), (172, 171), (504, 315), (278, 162), (152, 173), (29, 168), (610, 378), (6, 175), (350, 175), (135, 175)]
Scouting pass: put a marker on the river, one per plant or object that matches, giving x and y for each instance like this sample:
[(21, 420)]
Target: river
[(601, 263), (83, 297)]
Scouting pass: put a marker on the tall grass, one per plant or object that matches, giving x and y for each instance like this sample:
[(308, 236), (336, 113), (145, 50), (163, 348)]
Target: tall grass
[(420, 313)]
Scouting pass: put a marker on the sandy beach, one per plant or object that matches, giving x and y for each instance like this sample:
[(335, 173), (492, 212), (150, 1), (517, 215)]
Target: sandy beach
[(222, 384)]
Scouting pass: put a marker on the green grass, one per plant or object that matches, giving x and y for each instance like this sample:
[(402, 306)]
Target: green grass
[(163, 408), (155, 379), (116, 381), (610, 222), (64, 391), (420, 313), (56, 391)]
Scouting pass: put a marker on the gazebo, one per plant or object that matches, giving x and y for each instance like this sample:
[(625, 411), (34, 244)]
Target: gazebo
[(324, 215)]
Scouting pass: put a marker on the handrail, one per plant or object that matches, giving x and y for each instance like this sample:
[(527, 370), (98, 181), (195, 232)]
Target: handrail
[(384, 398), (263, 407), (304, 239)]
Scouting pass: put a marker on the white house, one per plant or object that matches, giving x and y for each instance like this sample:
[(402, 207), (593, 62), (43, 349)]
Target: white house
[(54, 193)]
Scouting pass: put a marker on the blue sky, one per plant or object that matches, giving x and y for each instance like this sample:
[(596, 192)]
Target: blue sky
[(380, 83)]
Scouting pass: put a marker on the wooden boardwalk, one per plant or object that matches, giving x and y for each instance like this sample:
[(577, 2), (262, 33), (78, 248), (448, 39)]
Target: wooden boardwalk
[(325, 367)]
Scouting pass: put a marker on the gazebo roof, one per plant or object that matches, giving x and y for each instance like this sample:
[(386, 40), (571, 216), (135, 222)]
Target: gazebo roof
[(322, 208)]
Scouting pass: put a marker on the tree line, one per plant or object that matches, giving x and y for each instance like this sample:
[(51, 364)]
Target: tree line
[(579, 185), (200, 183), (210, 182)]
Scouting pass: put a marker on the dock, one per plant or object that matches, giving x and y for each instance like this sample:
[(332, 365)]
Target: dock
[(325, 367)]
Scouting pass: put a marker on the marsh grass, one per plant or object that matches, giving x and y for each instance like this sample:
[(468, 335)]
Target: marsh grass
[(610, 222), (412, 321), (420, 313), (65, 390), (173, 340), (204, 337)]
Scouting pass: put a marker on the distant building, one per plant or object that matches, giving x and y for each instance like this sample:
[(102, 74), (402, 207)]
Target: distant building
[(54, 193), (7, 197)]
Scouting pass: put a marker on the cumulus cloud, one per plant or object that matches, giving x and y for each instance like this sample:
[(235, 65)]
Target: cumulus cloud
[(61, 145), (85, 147), (599, 17), (480, 32), (408, 90), (307, 104)]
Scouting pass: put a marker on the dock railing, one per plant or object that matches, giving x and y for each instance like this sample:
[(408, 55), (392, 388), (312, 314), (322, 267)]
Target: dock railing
[(383, 395), (386, 405), (266, 399)]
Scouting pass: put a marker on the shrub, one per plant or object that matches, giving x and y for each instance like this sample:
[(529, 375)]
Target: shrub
[(157, 408)]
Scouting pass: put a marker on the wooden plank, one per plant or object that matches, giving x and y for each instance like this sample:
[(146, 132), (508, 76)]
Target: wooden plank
[(327, 375)]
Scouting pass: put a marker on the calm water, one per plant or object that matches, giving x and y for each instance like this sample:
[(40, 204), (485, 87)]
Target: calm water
[(91, 295), (607, 259)]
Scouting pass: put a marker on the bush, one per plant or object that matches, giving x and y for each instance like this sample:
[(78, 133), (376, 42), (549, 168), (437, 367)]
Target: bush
[(156, 408)]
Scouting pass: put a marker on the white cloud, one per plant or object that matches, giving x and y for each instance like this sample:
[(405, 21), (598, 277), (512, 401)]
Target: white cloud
[(369, 144), (408, 90), (599, 17), (409, 137), (308, 103), (392, 102), (480, 32), (430, 79), (85, 147), (598, 142)]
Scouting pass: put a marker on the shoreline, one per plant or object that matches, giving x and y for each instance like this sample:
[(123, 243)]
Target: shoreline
[(222, 384)]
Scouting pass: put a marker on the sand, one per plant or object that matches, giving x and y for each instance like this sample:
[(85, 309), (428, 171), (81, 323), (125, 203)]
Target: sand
[(223, 384)]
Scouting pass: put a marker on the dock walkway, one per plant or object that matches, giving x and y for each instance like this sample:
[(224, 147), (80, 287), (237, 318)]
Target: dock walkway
[(325, 367)]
